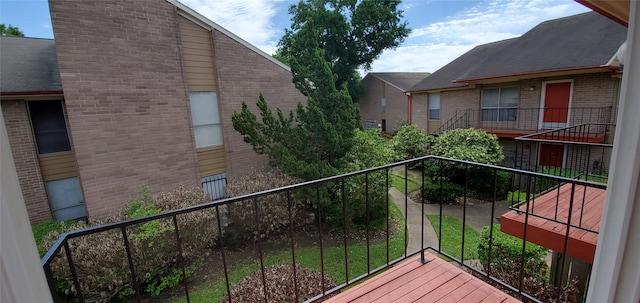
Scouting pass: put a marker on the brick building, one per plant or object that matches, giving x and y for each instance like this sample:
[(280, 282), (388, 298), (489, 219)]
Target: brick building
[(130, 93), (561, 73), (384, 103)]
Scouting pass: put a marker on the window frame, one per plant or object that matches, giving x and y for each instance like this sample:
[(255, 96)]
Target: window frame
[(216, 122), (499, 108), (430, 105), (68, 147)]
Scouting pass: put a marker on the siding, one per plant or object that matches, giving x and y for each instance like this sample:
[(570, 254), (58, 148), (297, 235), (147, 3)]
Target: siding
[(198, 60), (197, 55), (211, 160), (58, 166)]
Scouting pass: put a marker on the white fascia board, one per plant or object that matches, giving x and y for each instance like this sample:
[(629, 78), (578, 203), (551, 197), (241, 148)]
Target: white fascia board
[(221, 29)]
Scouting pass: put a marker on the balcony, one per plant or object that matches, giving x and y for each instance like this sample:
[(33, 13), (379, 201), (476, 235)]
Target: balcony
[(515, 122), (362, 261)]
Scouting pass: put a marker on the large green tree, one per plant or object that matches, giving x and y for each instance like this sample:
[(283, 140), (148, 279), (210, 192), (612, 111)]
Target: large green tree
[(10, 31), (351, 33), (311, 142)]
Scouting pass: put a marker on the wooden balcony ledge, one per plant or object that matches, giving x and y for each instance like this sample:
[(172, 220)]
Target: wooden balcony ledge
[(587, 209), (413, 281)]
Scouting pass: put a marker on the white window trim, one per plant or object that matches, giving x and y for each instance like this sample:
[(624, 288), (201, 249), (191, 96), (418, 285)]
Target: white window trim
[(482, 107)]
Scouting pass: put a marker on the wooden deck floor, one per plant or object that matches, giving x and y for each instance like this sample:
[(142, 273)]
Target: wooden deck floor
[(586, 212), (412, 281)]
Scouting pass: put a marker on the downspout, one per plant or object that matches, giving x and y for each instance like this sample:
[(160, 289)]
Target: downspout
[(409, 105)]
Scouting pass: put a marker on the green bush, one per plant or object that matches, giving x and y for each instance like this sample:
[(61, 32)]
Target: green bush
[(450, 192), (410, 142), (506, 250), (100, 259), (470, 145)]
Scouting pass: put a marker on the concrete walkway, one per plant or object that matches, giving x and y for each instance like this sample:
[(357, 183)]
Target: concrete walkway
[(477, 216)]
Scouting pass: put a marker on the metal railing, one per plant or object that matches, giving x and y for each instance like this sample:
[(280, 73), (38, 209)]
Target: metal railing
[(343, 194), (214, 186), (580, 151), (527, 119)]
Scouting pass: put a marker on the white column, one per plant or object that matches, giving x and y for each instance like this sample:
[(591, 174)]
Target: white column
[(21, 277), (616, 271)]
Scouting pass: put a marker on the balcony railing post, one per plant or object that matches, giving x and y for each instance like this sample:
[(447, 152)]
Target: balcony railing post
[(127, 247), (181, 261), (293, 246), (319, 203), (387, 214), (74, 275), (258, 234), (366, 205), (422, 215), (224, 258)]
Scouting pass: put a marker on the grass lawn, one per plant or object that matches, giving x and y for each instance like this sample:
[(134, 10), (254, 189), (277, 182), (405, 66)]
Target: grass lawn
[(397, 181), (452, 237), (42, 229), (216, 291)]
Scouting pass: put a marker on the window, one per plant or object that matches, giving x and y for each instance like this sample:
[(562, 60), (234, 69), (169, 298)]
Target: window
[(206, 118), (49, 127), (384, 102), (434, 106), (500, 104)]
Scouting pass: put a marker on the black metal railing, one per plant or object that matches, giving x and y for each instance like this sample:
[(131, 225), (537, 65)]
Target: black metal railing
[(580, 151), (459, 120), (527, 119), (214, 186), (339, 207)]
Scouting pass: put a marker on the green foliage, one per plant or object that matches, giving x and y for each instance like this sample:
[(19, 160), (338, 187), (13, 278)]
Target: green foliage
[(475, 146), (451, 237), (8, 30), (410, 142), (470, 145), (369, 149), (100, 259), (449, 194), (507, 249), (351, 33), (40, 231), (516, 196)]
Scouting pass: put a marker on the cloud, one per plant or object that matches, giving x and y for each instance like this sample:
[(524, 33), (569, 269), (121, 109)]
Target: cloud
[(251, 20), (433, 45)]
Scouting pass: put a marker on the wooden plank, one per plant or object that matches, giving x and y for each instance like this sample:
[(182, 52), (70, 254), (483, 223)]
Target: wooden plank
[(58, 166)]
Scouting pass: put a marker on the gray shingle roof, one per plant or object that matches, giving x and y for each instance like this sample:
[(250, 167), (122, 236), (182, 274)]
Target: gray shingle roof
[(28, 65), (401, 80), (579, 41)]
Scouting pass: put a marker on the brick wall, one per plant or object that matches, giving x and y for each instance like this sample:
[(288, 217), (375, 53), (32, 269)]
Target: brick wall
[(396, 110), (242, 75), (420, 112), (23, 149), (370, 101), (126, 100), (458, 100)]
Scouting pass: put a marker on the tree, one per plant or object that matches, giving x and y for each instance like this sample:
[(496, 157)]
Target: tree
[(351, 33), (311, 143), (10, 31)]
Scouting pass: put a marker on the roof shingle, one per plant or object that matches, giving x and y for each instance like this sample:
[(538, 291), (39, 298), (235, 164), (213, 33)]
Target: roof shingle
[(28, 65)]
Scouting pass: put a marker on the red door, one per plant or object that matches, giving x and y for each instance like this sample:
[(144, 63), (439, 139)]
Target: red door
[(551, 155), (556, 104)]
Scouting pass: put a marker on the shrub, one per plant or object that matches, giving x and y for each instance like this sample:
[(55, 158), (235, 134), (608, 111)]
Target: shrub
[(100, 259), (410, 142), (506, 253), (273, 209), (40, 231), (450, 192), (470, 145)]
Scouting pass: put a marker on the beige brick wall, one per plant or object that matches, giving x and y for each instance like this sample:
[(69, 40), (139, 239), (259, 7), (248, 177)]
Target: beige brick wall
[(242, 75), (396, 109), (23, 149), (126, 100), (420, 112), (370, 101), (458, 100)]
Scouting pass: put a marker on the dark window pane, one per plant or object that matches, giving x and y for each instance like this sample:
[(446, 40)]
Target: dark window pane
[(508, 114), (489, 114), (434, 114), (49, 127)]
